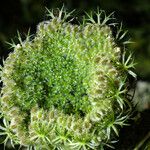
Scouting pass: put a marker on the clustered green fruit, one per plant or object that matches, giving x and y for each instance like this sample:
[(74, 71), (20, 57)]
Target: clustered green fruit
[(66, 89)]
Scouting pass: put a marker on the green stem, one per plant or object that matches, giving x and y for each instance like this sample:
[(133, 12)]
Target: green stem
[(139, 145)]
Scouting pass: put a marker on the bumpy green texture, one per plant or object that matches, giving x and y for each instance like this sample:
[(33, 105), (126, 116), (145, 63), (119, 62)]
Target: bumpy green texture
[(66, 89)]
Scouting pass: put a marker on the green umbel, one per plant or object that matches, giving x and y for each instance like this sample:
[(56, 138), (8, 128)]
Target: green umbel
[(65, 89)]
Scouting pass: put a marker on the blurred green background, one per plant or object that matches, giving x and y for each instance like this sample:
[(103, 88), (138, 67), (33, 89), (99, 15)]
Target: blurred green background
[(135, 14)]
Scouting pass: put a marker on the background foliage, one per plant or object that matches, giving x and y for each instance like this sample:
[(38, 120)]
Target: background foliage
[(24, 14)]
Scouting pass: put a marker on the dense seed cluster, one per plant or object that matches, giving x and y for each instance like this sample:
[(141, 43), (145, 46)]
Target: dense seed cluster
[(65, 89)]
